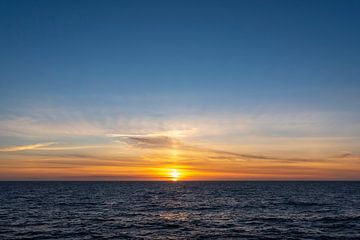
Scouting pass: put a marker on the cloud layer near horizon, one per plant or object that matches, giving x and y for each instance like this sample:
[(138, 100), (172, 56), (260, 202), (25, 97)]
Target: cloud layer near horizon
[(206, 147)]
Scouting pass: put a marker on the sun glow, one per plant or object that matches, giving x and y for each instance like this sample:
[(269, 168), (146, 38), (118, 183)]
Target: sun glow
[(174, 174)]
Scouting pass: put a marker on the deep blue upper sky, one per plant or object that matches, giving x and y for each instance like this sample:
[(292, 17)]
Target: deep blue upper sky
[(213, 54)]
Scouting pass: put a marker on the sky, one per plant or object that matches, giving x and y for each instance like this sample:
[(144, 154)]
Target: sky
[(179, 90)]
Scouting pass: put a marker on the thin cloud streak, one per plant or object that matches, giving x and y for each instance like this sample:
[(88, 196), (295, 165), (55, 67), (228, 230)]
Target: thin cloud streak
[(26, 147), (155, 142)]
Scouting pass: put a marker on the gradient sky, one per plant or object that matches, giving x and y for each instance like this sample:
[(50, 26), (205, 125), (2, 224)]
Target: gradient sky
[(218, 90)]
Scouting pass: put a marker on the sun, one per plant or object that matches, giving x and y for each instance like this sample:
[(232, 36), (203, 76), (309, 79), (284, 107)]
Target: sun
[(174, 175)]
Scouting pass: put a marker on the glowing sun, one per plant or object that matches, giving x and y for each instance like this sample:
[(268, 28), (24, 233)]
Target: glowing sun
[(174, 175)]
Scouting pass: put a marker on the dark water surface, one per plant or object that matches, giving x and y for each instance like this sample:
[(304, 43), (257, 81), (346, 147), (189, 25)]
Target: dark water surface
[(181, 210)]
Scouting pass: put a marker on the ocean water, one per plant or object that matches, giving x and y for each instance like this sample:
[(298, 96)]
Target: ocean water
[(179, 210)]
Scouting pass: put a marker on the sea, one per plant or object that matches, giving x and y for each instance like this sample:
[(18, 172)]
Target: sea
[(180, 210)]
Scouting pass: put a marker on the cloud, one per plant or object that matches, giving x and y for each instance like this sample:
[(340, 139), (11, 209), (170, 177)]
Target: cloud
[(156, 141), (74, 122), (218, 154), (33, 127), (345, 155), (26, 147), (165, 139), (169, 133), (152, 142)]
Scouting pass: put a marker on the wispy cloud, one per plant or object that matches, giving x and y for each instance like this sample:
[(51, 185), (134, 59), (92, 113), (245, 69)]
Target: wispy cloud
[(152, 142), (156, 141), (178, 133), (26, 147)]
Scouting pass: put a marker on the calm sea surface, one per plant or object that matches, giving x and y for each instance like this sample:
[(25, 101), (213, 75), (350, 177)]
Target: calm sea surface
[(181, 210)]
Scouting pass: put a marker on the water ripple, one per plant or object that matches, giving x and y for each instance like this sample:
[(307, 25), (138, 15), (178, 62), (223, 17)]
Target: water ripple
[(182, 210)]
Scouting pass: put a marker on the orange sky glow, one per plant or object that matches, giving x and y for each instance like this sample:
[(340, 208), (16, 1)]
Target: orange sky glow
[(177, 156)]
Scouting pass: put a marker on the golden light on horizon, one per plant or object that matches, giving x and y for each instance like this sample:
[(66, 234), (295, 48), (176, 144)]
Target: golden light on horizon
[(174, 175)]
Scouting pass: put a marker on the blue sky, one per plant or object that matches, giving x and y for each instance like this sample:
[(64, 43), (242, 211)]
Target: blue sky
[(283, 68), (263, 49)]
